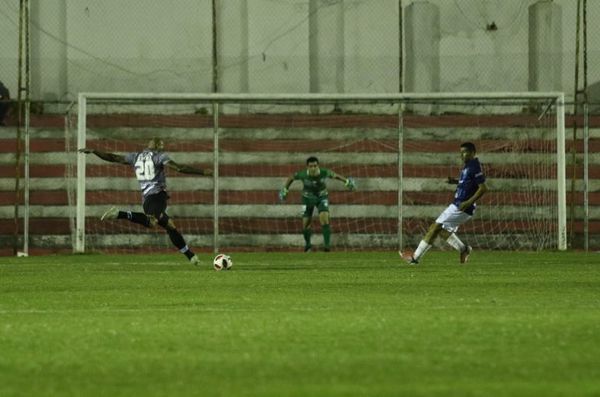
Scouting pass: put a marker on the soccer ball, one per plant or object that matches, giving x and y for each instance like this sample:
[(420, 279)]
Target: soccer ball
[(222, 262)]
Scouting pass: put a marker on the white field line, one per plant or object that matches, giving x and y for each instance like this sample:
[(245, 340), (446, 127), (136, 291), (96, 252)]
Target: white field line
[(161, 309)]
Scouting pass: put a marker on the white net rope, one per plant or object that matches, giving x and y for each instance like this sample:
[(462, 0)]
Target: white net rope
[(516, 144), (259, 153), (260, 146)]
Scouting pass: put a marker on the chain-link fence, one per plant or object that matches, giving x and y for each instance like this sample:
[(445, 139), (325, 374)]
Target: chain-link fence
[(294, 46), (9, 45)]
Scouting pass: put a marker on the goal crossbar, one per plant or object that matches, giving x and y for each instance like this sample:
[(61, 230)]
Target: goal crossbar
[(320, 97)]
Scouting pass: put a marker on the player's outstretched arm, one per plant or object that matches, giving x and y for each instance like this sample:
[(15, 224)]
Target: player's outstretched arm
[(452, 181), (186, 169), (110, 157), (348, 182), (285, 189)]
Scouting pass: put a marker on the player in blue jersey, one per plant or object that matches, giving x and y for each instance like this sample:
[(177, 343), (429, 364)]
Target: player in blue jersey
[(471, 186), (314, 195), (149, 166)]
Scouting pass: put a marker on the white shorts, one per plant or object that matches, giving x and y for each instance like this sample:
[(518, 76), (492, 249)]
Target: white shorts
[(452, 218)]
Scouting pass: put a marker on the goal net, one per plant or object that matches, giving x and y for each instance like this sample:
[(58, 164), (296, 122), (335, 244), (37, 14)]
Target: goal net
[(401, 150)]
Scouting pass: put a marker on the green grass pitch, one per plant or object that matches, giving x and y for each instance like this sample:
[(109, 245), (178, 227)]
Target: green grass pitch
[(286, 324)]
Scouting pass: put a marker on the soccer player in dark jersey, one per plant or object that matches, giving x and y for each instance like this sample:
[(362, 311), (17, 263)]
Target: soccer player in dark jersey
[(149, 166), (471, 186), (315, 194)]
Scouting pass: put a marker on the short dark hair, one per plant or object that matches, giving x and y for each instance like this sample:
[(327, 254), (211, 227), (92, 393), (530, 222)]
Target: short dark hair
[(312, 159), (469, 146)]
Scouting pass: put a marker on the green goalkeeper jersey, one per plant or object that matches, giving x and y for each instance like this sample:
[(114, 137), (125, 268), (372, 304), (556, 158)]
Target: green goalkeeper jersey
[(314, 186)]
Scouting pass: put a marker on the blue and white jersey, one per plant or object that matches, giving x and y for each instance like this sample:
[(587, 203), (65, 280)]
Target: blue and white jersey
[(469, 180), (149, 170)]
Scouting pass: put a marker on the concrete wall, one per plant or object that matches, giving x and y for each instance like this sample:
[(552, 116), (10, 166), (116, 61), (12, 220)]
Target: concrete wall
[(139, 46), (86, 45), (9, 44), (422, 29), (545, 47)]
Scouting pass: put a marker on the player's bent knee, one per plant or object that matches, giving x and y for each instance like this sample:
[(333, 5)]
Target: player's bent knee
[(432, 233), (165, 222), (445, 233), (435, 227), (152, 221)]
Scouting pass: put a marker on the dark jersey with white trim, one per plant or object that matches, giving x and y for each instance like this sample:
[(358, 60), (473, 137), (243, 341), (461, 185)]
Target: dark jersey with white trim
[(149, 170), (469, 180)]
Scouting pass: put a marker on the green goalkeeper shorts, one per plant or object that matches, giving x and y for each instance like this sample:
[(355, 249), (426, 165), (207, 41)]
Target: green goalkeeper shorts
[(309, 204)]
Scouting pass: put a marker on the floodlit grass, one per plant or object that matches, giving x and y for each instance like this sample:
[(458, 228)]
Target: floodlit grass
[(337, 324)]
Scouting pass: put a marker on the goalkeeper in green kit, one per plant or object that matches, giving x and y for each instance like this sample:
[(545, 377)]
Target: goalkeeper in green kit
[(314, 194)]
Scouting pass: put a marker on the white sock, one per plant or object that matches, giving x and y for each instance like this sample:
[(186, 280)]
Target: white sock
[(421, 249), (455, 243)]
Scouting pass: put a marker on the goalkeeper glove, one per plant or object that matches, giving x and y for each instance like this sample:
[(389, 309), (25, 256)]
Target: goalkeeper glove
[(350, 184), (283, 193)]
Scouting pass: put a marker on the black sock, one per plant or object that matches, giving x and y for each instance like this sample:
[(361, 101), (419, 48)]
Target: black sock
[(188, 254), (179, 242), (307, 233), (135, 217)]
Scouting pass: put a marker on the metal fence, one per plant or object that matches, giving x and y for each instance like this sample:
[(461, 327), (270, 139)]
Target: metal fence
[(288, 46), (283, 45)]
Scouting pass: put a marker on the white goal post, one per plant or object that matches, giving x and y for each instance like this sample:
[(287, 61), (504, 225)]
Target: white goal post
[(553, 99)]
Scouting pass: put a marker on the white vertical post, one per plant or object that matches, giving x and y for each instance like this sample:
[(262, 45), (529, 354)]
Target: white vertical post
[(69, 130), (26, 186), (561, 172), (81, 143), (586, 177), (215, 109), (27, 71), (400, 173)]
